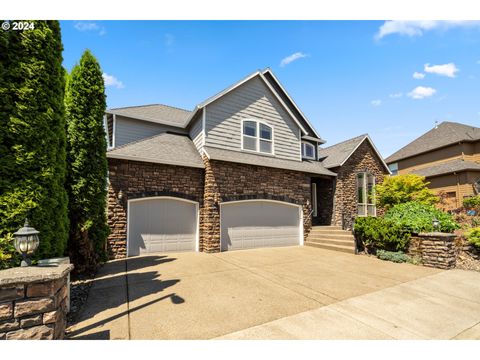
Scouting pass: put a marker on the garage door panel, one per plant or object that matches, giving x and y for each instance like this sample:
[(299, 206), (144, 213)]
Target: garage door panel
[(162, 225), (257, 223)]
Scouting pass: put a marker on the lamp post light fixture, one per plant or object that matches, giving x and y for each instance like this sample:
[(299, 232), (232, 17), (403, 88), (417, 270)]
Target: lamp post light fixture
[(26, 242), (436, 224)]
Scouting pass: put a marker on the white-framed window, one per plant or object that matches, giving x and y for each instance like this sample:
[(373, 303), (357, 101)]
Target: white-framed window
[(366, 194), (257, 136), (308, 150), (393, 168)]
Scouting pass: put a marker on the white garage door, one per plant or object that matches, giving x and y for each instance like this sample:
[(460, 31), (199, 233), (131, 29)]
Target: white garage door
[(161, 224), (259, 223)]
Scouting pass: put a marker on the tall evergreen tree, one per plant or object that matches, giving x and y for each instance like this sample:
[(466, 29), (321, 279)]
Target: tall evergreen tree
[(32, 140), (85, 104)]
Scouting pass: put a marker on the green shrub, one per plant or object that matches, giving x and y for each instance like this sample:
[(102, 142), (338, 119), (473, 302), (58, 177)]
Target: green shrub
[(473, 236), (8, 256), (404, 188), (417, 217), (472, 202), (381, 233), (397, 257)]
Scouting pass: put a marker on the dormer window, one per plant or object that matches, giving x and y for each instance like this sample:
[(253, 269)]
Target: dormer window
[(308, 151), (257, 136)]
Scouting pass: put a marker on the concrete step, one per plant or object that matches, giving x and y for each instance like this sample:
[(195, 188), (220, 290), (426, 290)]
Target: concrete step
[(331, 237), (331, 241), (328, 227), (327, 231), (346, 249)]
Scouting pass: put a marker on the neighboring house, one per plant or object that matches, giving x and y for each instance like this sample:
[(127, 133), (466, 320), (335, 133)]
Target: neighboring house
[(242, 170), (448, 156)]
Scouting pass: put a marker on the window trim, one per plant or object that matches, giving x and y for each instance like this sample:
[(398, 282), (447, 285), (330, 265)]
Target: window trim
[(314, 199), (257, 137), (304, 152), (395, 170), (366, 204)]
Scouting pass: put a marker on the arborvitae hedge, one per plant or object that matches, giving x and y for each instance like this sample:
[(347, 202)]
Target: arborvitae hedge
[(32, 135), (85, 104)]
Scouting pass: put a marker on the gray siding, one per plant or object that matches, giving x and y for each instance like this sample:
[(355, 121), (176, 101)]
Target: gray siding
[(253, 100), (196, 133), (128, 130)]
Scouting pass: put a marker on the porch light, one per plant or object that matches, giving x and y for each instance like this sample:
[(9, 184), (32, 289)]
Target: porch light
[(436, 224), (26, 242)]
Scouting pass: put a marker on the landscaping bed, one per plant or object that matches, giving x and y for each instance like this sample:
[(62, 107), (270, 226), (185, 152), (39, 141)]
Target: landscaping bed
[(79, 290)]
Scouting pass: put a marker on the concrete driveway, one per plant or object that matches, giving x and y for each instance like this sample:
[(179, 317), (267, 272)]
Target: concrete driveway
[(278, 293)]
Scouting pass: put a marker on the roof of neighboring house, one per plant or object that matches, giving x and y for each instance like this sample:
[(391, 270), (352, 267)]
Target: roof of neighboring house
[(157, 113), (446, 133), (336, 155), (164, 148), (449, 167), (312, 167)]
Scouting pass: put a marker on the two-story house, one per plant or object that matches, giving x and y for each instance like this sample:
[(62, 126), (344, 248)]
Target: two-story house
[(448, 156), (244, 169)]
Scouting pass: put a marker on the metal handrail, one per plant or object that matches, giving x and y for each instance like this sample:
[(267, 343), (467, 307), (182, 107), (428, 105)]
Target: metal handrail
[(308, 217)]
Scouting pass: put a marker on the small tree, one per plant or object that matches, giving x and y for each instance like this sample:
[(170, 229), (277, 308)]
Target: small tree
[(87, 163), (32, 137), (400, 189)]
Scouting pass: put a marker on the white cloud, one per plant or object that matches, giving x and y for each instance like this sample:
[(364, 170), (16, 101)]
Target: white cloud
[(417, 75), (376, 102), (448, 70), (418, 28), (111, 80), (291, 58), (395, 95), (90, 26), (421, 92)]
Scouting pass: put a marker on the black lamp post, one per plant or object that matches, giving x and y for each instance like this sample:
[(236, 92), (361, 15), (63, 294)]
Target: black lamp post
[(26, 242)]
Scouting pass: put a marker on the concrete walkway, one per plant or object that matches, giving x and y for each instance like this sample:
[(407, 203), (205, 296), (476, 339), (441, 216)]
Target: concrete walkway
[(292, 292)]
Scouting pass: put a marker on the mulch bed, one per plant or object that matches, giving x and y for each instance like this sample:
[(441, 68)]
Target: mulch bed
[(79, 290)]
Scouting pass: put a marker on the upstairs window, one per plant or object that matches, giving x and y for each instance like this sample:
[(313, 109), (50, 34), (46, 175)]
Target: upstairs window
[(366, 194), (393, 168), (257, 136), (308, 151)]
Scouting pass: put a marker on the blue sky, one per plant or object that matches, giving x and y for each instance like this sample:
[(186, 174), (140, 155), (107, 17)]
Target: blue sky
[(348, 77)]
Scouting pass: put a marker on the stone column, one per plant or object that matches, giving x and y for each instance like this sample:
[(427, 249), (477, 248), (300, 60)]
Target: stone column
[(435, 249), (33, 302)]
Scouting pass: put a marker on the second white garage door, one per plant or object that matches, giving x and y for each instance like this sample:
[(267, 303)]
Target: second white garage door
[(259, 223), (161, 224)]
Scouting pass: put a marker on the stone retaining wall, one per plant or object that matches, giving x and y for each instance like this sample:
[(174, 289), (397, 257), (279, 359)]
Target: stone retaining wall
[(434, 249), (33, 302)]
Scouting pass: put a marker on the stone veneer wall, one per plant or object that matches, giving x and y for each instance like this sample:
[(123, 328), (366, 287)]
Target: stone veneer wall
[(226, 181), (434, 249), (345, 198), (33, 302), (136, 179)]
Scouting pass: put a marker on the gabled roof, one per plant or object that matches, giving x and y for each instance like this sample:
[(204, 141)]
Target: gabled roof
[(294, 112), (336, 155), (157, 113), (447, 133), (448, 167), (164, 148), (311, 167)]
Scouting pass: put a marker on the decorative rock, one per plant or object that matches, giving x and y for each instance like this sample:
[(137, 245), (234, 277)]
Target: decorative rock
[(32, 306), (48, 288), (42, 332), (6, 311), (31, 321), (11, 293), (2, 336), (9, 325)]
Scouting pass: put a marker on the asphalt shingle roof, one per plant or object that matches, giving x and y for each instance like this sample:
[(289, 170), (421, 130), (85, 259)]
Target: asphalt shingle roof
[(164, 148), (336, 154), (156, 113), (312, 167), (446, 133), (456, 165)]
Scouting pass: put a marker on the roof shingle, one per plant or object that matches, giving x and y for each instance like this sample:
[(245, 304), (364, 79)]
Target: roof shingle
[(446, 133), (157, 113), (456, 165), (312, 167), (164, 148), (335, 155)]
